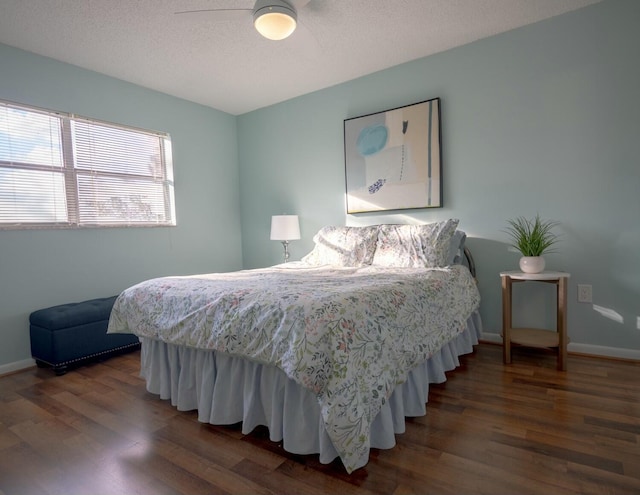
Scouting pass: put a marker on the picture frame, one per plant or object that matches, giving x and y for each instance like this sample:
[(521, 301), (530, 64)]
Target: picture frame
[(393, 159)]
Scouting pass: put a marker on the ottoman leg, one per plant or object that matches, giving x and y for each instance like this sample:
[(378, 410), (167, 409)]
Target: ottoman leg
[(60, 370)]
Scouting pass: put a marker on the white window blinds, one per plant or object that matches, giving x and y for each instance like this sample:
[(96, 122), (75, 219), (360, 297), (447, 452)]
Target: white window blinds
[(59, 170)]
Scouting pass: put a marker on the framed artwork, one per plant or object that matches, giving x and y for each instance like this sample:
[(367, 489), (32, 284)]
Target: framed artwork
[(393, 159)]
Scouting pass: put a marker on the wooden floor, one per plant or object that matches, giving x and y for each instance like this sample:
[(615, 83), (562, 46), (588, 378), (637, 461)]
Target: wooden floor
[(490, 429)]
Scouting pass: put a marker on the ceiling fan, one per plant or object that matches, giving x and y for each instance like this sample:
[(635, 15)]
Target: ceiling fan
[(273, 19)]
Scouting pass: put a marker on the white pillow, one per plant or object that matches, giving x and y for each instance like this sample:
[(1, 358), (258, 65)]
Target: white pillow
[(414, 245), (343, 246)]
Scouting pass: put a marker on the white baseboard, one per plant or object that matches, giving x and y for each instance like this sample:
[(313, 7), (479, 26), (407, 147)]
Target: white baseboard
[(576, 348), (599, 350), (5, 369), (494, 338)]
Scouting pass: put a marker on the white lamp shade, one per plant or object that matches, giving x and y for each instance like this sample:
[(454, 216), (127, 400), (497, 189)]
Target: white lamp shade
[(285, 228), (274, 19)]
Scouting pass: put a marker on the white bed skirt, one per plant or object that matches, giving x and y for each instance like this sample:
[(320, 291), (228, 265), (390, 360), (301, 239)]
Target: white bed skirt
[(227, 390)]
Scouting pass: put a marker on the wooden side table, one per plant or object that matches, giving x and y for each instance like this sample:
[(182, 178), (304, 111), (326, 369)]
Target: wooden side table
[(535, 337)]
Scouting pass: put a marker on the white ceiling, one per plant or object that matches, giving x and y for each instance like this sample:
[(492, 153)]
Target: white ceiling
[(227, 65)]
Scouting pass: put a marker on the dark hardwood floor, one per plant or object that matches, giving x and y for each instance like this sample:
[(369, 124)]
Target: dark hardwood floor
[(490, 429)]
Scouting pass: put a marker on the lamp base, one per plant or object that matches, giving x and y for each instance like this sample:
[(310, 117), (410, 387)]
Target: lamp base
[(286, 250)]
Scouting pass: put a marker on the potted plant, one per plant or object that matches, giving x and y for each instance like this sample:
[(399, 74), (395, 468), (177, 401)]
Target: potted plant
[(533, 238)]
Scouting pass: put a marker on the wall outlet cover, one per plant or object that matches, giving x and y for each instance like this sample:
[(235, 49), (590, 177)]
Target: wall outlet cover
[(585, 293)]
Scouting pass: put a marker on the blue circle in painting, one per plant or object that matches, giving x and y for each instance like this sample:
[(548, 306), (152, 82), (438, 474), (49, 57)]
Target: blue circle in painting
[(372, 139)]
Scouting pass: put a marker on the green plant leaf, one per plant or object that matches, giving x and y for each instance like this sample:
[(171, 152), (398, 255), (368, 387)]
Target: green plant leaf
[(532, 237)]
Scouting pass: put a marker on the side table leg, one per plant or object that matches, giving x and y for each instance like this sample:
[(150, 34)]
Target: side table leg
[(506, 319), (561, 324)]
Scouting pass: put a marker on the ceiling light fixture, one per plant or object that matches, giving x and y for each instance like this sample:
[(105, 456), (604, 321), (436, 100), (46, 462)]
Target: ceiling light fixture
[(274, 19)]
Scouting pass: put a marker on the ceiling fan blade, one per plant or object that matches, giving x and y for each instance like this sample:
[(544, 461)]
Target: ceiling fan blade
[(219, 14)]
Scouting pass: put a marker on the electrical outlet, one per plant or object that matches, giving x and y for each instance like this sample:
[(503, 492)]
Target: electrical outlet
[(585, 293)]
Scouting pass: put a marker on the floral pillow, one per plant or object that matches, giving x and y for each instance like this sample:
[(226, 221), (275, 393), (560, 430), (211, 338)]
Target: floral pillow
[(414, 245), (343, 246)]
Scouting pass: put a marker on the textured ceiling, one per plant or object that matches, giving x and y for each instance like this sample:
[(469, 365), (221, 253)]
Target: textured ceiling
[(225, 64)]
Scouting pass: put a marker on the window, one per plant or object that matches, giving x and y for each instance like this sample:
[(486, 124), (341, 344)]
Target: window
[(60, 170)]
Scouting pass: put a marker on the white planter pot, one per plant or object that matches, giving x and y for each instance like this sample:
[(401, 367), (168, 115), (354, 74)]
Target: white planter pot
[(532, 264)]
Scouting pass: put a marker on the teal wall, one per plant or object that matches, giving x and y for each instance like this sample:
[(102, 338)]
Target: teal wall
[(542, 119), (41, 268)]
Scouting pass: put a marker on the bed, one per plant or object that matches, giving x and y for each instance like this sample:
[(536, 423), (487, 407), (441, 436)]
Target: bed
[(330, 353)]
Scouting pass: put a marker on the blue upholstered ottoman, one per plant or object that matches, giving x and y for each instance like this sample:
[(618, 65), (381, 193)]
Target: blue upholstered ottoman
[(66, 335)]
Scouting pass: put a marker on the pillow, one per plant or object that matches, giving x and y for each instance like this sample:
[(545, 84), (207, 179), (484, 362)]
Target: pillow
[(343, 246), (456, 248), (414, 245)]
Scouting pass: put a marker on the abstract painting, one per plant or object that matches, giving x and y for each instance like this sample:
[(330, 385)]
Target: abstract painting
[(393, 159)]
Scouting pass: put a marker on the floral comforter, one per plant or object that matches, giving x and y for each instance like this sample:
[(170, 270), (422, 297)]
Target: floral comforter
[(348, 334)]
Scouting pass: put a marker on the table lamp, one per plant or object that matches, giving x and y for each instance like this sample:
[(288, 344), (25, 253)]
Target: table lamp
[(285, 228)]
